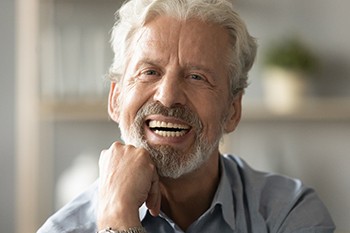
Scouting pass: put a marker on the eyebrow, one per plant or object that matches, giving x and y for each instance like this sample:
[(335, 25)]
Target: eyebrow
[(187, 66), (148, 61), (207, 70)]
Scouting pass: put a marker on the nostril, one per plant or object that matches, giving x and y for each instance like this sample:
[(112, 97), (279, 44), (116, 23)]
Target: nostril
[(170, 94)]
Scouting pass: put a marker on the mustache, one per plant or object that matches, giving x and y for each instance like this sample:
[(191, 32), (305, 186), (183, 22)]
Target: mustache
[(180, 112)]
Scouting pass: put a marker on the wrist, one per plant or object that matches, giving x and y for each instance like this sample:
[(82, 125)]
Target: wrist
[(118, 219), (139, 229)]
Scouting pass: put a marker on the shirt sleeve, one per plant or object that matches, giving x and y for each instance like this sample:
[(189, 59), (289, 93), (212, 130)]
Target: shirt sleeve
[(288, 206), (307, 214), (78, 216), (280, 204)]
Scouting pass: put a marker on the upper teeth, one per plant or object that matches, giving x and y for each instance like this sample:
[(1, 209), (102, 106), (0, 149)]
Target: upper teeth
[(162, 124)]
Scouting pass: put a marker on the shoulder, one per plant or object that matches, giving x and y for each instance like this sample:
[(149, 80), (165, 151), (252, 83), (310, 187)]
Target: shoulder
[(261, 183), (258, 181), (284, 204), (76, 216)]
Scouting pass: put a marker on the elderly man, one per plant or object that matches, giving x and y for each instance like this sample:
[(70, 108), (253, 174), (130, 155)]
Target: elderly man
[(177, 80)]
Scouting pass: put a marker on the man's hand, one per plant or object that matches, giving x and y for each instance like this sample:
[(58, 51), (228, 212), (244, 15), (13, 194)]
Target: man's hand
[(128, 178)]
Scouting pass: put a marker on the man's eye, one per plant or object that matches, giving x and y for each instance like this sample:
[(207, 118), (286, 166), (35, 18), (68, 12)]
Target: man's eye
[(150, 72), (149, 75), (196, 77)]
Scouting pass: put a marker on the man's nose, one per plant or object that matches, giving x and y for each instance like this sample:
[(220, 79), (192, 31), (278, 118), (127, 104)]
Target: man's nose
[(170, 91)]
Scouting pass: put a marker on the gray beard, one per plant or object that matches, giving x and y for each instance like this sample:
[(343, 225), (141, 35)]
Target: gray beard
[(170, 162)]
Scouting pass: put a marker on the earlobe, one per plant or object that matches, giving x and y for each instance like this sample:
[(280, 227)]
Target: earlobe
[(234, 114), (113, 106)]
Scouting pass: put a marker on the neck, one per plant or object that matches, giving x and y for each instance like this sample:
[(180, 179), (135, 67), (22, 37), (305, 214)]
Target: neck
[(185, 199)]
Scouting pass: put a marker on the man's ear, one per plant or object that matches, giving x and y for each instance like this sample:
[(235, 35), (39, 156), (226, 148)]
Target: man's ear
[(234, 114), (113, 105)]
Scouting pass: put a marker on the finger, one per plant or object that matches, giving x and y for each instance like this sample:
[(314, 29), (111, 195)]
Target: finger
[(106, 155), (154, 196), (153, 192), (116, 146), (156, 211), (153, 201)]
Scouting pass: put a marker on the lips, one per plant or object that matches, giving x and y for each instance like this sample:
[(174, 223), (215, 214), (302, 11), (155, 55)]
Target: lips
[(168, 129)]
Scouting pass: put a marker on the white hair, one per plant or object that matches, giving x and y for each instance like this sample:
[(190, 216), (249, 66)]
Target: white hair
[(134, 14)]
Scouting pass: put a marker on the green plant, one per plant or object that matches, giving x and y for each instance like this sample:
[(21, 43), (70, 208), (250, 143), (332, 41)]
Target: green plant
[(290, 54)]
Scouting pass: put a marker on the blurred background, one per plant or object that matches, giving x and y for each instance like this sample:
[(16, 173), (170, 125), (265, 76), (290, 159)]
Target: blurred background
[(54, 123)]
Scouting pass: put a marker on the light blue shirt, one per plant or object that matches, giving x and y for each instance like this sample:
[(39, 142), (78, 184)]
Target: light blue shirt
[(246, 201)]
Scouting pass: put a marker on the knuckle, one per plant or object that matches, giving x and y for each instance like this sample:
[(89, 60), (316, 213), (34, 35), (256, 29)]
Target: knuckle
[(143, 155), (152, 167), (116, 145), (129, 148)]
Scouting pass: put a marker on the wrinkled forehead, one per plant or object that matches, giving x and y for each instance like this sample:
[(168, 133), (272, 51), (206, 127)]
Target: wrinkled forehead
[(190, 40)]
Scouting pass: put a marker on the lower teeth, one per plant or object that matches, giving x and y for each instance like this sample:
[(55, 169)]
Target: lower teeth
[(169, 133)]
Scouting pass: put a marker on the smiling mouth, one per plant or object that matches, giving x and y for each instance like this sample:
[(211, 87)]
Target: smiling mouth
[(167, 129)]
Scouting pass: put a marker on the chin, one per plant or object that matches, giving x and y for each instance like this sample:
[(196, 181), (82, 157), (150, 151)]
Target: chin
[(172, 163)]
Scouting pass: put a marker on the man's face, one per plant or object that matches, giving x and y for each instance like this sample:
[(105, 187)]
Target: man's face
[(173, 99)]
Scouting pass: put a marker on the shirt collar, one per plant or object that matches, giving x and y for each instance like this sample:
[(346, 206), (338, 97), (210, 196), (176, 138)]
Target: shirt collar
[(223, 197)]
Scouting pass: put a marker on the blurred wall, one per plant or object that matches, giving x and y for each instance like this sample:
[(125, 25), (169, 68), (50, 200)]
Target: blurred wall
[(321, 25), (7, 115)]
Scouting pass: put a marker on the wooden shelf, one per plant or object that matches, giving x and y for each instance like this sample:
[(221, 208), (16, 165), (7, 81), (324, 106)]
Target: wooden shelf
[(316, 109), (75, 110), (320, 109)]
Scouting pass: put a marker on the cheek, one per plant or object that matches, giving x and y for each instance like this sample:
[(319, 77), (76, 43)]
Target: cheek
[(132, 99), (211, 116), (214, 111)]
